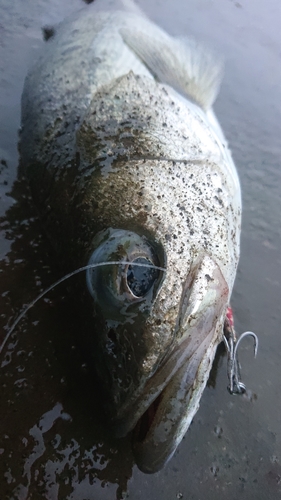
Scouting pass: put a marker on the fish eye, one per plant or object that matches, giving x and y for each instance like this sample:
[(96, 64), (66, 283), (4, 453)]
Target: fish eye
[(140, 279), (116, 286)]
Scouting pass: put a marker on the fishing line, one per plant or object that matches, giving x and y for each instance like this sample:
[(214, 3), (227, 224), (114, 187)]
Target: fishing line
[(66, 277)]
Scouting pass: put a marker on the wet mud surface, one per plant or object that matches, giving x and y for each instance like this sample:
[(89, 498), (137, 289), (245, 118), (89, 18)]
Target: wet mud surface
[(54, 443)]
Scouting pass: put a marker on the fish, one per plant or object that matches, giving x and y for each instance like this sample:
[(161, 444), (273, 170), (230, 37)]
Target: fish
[(132, 175)]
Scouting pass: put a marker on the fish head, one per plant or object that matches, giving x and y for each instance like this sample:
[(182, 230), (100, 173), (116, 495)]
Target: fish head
[(156, 354), (160, 302)]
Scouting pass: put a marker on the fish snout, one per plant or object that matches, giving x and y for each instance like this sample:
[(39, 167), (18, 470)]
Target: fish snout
[(178, 384)]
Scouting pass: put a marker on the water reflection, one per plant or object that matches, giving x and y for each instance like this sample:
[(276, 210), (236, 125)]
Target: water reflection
[(54, 440)]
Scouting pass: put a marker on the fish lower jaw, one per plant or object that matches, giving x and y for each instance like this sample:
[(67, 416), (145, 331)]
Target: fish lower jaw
[(161, 427), (158, 432)]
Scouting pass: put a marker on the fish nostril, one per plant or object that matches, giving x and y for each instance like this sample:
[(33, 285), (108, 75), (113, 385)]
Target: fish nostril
[(140, 278)]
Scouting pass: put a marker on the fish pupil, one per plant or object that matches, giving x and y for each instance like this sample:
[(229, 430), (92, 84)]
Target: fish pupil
[(141, 279)]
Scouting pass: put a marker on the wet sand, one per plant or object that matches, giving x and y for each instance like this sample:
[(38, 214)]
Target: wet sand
[(53, 441)]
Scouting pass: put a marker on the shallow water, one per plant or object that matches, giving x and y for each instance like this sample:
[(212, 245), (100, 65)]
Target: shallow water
[(53, 442)]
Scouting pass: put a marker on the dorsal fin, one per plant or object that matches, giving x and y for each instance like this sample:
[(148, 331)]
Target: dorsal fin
[(184, 64), (131, 6)]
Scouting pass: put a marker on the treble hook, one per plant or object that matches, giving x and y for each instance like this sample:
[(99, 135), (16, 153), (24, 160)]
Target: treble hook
[(236, 386)]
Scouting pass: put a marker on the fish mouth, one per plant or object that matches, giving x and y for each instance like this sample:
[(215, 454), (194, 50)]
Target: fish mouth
[(161, 415), (162, 426)]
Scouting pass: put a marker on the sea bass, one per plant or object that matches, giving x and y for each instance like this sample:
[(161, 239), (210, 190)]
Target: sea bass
[(128, 165)]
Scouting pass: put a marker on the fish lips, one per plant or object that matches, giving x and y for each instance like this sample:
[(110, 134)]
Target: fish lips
[(163, 412)]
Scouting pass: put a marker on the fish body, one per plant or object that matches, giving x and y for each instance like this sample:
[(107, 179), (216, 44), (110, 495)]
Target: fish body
[(127, 162)]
